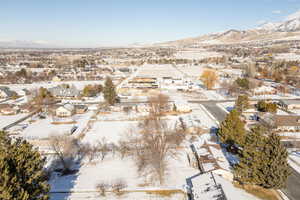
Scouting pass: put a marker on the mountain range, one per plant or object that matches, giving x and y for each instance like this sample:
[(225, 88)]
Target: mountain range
[(288, 29)]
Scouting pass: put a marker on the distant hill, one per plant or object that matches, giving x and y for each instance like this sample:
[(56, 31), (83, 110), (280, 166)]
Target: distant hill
[(24, 44), (288, 29)]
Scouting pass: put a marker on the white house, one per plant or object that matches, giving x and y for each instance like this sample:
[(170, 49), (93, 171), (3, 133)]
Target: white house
[(66, 110)]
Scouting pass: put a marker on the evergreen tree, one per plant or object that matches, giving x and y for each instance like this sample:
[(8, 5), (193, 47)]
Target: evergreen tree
[(263, 160), (247, 170), (21, 167), (274, 166), (232, 130), (242, 103), (109, 92), (263, 106)]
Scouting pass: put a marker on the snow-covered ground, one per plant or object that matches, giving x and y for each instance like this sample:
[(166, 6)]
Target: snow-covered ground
[(296, 111), (206, 119), (213, 95), (8, 119), (112, 131), (43, 128), (78, 84), (199, 54), (294, 161)]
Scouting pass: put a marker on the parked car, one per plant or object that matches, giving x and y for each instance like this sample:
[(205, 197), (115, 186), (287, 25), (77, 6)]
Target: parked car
[(73, 129)]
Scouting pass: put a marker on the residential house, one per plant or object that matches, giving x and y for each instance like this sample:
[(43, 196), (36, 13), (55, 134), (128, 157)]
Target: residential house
[(264, 90), (281, 122), (65, 91), (26, 108), (80, 109), (143, 82), (289, 104), (66, 110)]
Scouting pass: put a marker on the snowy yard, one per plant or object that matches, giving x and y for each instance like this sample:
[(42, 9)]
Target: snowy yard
[(8, 119), (43, 128), (78, 84), (112, 131)]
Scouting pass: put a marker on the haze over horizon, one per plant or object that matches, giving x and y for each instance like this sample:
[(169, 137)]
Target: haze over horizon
[(115, 23)]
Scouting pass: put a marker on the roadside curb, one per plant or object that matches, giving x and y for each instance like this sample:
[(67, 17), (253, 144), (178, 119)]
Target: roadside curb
[(282, 195)]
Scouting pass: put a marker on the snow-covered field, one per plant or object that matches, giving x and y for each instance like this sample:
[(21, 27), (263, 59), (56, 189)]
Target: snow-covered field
[(43, 128), (8, 119), (159, 71), (192, 54), (112, 131), (191, 70), (78, 84)]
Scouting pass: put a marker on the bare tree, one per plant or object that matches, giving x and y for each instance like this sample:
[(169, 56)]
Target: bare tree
[(89, 151), (158, 104), (154, 141), (66, 149), (118, 185), (123, 148), (102, 187), (103, 148)]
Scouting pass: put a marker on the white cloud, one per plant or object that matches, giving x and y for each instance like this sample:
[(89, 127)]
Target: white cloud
[(276, 11)]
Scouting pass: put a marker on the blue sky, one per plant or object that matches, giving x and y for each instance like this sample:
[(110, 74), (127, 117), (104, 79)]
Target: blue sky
[(120, 22)]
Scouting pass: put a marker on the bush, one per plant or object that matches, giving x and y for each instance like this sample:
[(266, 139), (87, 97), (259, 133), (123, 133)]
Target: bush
[(102, 188), (118, 185)]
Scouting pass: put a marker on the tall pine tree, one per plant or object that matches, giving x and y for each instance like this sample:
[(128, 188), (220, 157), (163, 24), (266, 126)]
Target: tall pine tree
[(22, 175), (232, 130), (109, 92), (263, 160), (247, 170), (274, 166)]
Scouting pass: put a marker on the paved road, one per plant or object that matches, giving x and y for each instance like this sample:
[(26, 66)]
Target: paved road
[(293, 183), (217, 112)]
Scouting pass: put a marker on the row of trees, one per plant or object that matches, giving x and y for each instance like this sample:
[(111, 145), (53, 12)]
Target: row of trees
[(262, 159)]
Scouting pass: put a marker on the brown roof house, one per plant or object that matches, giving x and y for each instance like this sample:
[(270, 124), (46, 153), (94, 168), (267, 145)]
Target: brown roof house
[(281, 122)]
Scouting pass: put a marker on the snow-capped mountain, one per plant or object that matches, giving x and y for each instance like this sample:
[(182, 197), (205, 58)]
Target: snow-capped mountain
[(290, 24), (288, 29)]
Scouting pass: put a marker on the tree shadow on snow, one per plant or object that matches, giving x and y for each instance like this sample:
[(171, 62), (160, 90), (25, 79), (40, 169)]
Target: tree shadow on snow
[(63, 184)]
